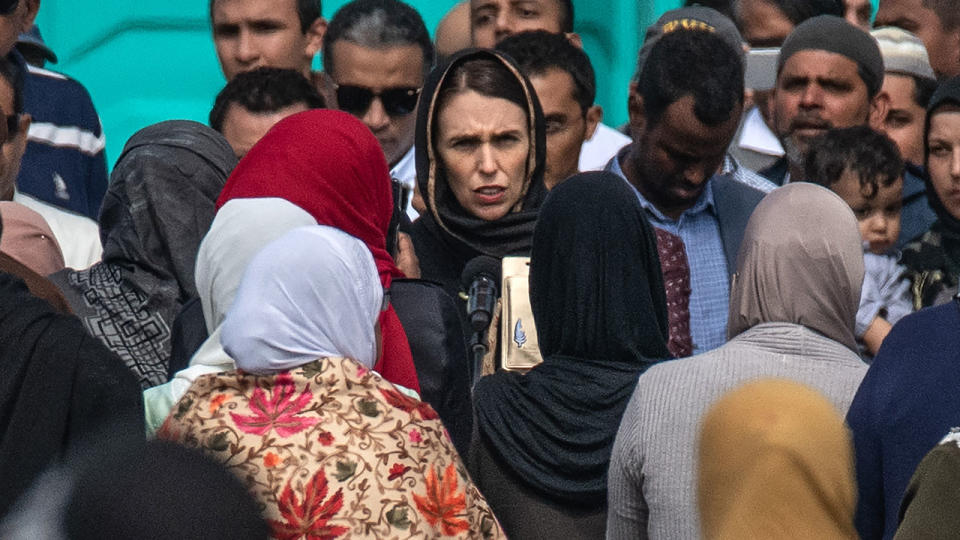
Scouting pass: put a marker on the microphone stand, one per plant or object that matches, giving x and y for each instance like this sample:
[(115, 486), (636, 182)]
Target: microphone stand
[(478, 347)]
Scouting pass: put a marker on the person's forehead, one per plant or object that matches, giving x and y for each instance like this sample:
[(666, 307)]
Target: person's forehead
[(235, 11), (817, 63), (900, 87), (682, 130), (907, 14), (386, 65), (505, 4), (555, 83)]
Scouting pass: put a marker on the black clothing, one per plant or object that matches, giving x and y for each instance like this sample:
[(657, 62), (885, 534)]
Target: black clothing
[(600, 310), (446, 236), (57, 385)]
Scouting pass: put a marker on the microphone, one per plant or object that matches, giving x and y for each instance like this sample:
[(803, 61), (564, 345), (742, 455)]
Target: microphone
[(481, 279)]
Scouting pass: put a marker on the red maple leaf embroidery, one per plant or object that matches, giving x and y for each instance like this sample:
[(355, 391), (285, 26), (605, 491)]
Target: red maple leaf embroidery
[(397, 471), (309, 520), (408, 404), (442, 502), (278, 413)]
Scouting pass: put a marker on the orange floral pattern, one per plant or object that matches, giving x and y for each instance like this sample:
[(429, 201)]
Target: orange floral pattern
[(332, 450), (443, 503)]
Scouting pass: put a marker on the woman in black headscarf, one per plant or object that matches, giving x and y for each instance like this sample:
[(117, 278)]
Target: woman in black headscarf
[(933, 261), (543, 443), (157, 209), (57, 385), (480, 159)]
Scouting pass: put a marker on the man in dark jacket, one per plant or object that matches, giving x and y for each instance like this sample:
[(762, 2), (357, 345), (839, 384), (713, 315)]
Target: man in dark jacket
[(681, 128)]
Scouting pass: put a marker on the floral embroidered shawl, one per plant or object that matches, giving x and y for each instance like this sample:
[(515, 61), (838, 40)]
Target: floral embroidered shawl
[(331, 450)]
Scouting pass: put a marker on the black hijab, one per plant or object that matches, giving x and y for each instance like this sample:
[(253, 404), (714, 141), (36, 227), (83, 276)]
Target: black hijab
[(600, 309), (159, 205), (462, 232), (939, 249), (57, 385)]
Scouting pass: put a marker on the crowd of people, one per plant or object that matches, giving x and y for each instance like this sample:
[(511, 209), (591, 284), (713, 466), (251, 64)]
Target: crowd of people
[(739, 311)]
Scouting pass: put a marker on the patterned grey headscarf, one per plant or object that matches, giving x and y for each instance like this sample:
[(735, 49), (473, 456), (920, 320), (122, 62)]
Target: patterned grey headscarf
[(159, 205)]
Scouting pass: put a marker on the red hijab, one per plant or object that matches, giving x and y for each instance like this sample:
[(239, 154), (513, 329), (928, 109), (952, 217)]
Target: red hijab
[(328, 163)]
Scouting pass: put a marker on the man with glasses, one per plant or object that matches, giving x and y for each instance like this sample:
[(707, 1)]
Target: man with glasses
[(377, 53)]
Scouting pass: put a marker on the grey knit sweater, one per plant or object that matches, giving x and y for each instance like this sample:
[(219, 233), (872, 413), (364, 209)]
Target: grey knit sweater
[(652, 484)]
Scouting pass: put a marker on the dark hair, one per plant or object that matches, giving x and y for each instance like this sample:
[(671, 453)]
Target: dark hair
[(538, 51), (698, 64), (797, 11), (264, 90), (947, 11), (723, 6), (14, 75), (485, 77), (923, 89), (566, 24), (378, 24), (307, 10), (871, 155)]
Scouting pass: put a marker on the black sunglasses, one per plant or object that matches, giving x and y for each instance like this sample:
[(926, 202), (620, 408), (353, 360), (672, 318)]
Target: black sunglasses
[(7, 6), (356, 100)]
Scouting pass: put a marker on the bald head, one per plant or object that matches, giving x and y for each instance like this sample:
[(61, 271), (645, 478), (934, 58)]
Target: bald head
[(453, 32)]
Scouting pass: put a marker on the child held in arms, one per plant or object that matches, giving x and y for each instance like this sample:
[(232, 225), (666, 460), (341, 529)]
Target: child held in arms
[(865, 169)]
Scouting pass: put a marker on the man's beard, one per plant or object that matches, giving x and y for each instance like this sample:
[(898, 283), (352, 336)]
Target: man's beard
[(795, 150)]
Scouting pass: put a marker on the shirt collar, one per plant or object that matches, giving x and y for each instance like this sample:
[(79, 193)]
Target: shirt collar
[(705, 203)]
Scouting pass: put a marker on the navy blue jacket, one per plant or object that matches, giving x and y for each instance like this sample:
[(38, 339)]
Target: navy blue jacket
[(908, 401)]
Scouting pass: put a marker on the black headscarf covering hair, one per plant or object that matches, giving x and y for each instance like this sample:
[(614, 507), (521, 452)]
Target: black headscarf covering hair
[(947, 93), (600, 309), (465, 233), (159, 205), (57, 385)]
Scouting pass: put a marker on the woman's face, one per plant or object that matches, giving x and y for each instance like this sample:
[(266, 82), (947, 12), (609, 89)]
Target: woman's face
[(483, 144), (943, 158)]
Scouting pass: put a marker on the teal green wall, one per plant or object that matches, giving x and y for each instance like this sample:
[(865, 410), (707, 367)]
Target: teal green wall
[(144, 62)]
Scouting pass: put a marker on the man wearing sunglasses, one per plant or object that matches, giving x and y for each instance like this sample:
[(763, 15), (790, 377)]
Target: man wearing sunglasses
[(377, 53)]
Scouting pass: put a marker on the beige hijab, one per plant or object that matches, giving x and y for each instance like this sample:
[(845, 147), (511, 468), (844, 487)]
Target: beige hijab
[(801, 262), (776, 461)]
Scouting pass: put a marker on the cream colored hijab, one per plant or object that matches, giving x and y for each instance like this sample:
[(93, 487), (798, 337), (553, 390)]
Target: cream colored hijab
[(776, 461), (801, 262)]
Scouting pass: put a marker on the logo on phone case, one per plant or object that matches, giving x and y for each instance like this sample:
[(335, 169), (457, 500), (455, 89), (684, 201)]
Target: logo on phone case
[(519, 336)]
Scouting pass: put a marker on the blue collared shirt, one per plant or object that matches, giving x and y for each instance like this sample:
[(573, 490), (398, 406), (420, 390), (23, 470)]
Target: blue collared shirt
[(709, 280)]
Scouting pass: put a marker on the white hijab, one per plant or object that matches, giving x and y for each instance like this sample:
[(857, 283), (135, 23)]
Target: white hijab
[(239, 231), (313, 293)]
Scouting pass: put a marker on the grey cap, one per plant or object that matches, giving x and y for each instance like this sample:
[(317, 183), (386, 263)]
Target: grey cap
[(835, 35), (903, 52), (699, 18)]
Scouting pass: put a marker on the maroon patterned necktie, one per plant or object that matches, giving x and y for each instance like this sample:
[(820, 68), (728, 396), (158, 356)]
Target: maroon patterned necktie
[(676, 282)]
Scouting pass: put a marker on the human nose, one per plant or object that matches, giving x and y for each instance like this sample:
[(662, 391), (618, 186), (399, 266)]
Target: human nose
[(812, 96), (376, 117), (877, 222), (503, 26), (488, 161), (955, 164), (246, 52)]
